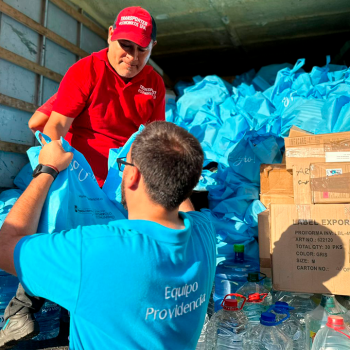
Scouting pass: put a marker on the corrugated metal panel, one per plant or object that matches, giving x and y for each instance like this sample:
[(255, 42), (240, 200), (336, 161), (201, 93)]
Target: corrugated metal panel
[(241, 22), (14, 126), (91, 42), (50, 87), (10, 165), (17, 82), (31, 8), (19, 39), (22, 83), (57, 58), (62, 24)]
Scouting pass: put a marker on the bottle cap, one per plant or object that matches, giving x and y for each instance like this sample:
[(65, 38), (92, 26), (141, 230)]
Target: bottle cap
[(330, 303), (238, 248), (327, 301), (335, 322), (230, 304), (268, 319), (281, 305), (256, 297), (253, 277)]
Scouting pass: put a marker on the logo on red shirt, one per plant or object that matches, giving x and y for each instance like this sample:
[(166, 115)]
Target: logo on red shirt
[(147, 91)]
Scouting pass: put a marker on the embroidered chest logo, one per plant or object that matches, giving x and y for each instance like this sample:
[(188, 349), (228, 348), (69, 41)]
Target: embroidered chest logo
[(147, 91)]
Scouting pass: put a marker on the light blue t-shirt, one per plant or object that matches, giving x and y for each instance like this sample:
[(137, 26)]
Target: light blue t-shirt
[(132, 284)]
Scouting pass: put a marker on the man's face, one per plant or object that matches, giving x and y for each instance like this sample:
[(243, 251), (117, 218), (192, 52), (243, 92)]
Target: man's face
[(128, 58)]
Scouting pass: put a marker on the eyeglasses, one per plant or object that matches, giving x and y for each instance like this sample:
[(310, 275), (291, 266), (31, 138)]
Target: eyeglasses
[(121, 163)]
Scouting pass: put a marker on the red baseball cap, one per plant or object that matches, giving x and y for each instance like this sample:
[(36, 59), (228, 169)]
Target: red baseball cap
[(135, 24)]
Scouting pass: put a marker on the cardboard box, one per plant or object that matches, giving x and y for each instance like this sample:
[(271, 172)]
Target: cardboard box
[(275, 179), (303, 150), (264, 242), (301, 183), (268, 199), (284, 158), (296, 132), (333, 147), (330, 182), (276, 184), (310, 248)]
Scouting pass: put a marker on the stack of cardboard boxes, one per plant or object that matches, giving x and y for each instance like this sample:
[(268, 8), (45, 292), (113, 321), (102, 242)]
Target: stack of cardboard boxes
[(304, 235)]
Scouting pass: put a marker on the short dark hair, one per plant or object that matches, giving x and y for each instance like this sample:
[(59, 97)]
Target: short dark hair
[(170, 160)]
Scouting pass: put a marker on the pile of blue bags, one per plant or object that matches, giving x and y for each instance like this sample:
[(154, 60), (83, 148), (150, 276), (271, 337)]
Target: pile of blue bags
[(239, 126), (242, 125)]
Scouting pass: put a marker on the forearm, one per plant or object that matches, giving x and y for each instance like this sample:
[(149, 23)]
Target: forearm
[(23, 219), (38, 121), (25, 214), (57, 126), (54, 131)]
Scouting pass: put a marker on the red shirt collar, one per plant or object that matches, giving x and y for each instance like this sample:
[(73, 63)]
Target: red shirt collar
[(102, 56)]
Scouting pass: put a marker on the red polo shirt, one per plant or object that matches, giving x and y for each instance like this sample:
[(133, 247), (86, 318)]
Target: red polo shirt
[(107, 111)]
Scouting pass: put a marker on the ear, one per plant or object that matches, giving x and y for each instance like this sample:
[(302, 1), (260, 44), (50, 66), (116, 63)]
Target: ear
[(110, 33), (154, 43), (133, 179)]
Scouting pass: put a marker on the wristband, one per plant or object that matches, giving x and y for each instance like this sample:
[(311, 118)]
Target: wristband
[(53, 167), (46, 169)]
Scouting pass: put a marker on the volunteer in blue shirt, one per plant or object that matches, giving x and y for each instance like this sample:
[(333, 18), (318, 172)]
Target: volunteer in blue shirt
[(142, 283)]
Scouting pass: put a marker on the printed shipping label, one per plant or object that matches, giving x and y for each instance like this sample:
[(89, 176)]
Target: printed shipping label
[(331, 172), (333, 157)]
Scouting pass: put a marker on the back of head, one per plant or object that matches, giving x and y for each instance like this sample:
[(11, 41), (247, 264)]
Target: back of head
[(170, 160)]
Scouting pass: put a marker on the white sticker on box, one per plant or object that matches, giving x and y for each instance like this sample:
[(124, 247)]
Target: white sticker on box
[(331, 172), (332, 157)]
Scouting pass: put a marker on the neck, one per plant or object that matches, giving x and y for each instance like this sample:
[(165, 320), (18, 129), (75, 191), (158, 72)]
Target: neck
[(156, 213)]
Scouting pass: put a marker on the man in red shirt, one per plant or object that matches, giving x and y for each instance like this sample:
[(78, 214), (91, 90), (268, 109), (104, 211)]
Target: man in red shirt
[(102, 100), (105, 97)]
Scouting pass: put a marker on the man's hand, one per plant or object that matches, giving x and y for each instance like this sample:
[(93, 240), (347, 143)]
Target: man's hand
[(54, 154)]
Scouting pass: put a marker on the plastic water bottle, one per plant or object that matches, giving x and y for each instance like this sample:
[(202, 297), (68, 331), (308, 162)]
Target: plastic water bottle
[(8, 287), (302, 304), (258, 297), (317, 319), (231, 274), (211, 305), (49, 321), (210, 312), (344, 301), (266, 335), (291, 327), (228, 326), (334, 336), (201, 345)]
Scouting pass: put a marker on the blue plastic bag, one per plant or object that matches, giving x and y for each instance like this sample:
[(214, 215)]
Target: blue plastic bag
[(241, 128), (252, 151), (112, 185), (74, 197), (7, 200), (227, 237), (24, 177)]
